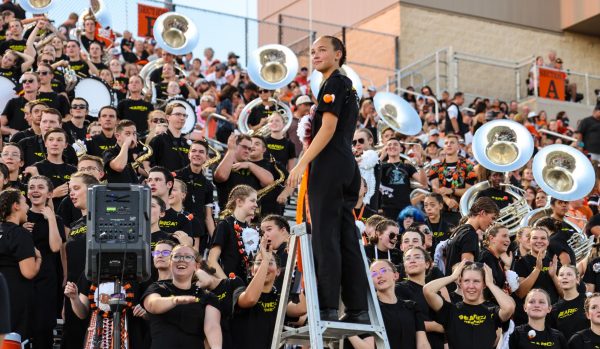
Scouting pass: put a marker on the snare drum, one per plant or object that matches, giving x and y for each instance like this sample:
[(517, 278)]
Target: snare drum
[(190, 120), (7, 91), (96, 92)]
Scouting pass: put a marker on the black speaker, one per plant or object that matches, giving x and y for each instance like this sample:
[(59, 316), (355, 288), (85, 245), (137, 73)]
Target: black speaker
[(118, 235)]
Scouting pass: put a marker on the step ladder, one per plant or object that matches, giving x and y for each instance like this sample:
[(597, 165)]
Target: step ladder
[(318, 333)]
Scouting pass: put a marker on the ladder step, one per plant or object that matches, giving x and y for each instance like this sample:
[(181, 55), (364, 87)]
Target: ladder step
[(332, 331)]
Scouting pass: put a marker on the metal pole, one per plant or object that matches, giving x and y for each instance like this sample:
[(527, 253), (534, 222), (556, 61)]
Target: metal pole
[(344, 35), (536, 80), (437, 73), (587, 89), (280, 29), (246, 41), (518, 77), (397, 53), (398, 81)]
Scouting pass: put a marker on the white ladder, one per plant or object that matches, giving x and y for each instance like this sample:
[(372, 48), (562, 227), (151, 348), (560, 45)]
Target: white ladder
[(318, 333)]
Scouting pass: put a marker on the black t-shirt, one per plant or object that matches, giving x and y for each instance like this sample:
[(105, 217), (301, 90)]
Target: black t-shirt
[(75, 248), (128, 175), (80, 68), (236, 177), (68, 212), (585, 339), (11, 73), (4, 304), (59, 174), (199, 192), (373, 253), (496, 264), (395, 184), (169, 151), (76, 132), (15, 113), (136, 111), (592, 274), (466, 240), (34, 151), (500, 197), (224, 293), (569, 316), (16, 244), (260, 112), (12, 44), (268, 203), (253, 327), (410, 290), (559, 242), (549, 338), (231, 259), (281, 149), (41, 239), (173, 221), (524, 267), (440, 231), (402, 320), (161, 90), (22, 135), (183, 326), (469, 326), (99, 144), (590, 129), (56, 101)]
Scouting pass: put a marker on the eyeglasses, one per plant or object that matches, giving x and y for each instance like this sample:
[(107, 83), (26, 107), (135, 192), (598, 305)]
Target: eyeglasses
[(183, 258), (27, 81), (164, 253), (43, 73), (158, 121), (359, 141), (79, 106), (88, 169), (381, 272), (179, 114), (414, 258)]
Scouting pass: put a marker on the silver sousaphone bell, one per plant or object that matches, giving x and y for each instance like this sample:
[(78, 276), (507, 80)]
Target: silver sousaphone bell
[(175, 33), (397, 113), (563, 172), (37, 6), (100, 12), (272, 66), (316, 79)]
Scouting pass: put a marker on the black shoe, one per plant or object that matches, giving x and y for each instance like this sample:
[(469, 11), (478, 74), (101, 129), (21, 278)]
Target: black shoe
[(357, 317), (329, 315)]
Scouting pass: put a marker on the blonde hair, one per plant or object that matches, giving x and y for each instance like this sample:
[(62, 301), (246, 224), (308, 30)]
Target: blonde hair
[(240, 192)]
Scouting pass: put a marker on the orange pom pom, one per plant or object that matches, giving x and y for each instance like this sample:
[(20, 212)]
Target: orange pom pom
[(328, 98), (232, 275)]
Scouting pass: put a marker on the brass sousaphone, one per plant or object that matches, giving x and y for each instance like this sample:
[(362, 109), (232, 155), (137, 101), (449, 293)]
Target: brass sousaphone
[(175, 33), (37, 7), (501, 146)]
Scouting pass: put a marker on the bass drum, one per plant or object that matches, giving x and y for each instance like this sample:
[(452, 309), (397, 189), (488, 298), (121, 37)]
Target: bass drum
[(7, 91), (96, 92), (190, 110)]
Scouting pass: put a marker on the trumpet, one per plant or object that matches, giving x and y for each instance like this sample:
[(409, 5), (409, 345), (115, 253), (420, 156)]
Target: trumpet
[(139, 161)]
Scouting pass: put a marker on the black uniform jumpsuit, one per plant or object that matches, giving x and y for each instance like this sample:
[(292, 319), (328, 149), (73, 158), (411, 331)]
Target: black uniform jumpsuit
[(333, 185)]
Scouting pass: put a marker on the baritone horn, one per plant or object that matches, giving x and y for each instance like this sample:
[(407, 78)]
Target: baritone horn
[(501, 146), (264, 131), (37, 6), (175, 33)]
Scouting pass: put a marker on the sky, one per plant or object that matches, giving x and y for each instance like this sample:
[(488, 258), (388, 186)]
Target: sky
[(221, 32)]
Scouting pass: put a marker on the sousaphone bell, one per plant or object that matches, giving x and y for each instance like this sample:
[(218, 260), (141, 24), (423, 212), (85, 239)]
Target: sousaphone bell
[(272, 66), (316, 78), (37, 6), (397, 113), (563, 172), (99, 10), (175, 33)]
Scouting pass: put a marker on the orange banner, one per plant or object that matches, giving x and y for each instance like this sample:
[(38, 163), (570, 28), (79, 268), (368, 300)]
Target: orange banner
[(552, 84), (146, 17)]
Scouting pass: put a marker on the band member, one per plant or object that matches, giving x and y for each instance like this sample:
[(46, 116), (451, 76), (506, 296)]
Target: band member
[(383, 245), (171, 148), (199, 199), (13, 118), (119, 160), (282, 149), (12, 157), (176, 197), (53, 167), (134, 107), (45, 92), (259, 115), (495, 191), (161, 182), (78, 124), (227, 254), (568, 315), (33, 111), (402, 319), (268, 202), (4, 316), (590, 336), (161, 255), (559, 245), (470, 324), (78, 61), (170, 304), (20, 261), (464, 243), (437, 223), (48, 234), (98, 145), (277, 230), (236, 169), (494, 254), (333, 186), (535, 333)]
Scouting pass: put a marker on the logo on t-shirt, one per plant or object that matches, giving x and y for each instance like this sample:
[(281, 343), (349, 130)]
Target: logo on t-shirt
[(566, 313), (268, 307), (474, 319)]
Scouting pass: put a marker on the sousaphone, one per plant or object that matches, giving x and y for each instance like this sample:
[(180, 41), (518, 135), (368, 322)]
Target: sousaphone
[(316, 79), (37, 6), (397, 113), (501, 146), (175, 33)]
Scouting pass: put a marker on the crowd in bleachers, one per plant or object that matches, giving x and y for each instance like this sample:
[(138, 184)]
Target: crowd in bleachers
[(444, 276)]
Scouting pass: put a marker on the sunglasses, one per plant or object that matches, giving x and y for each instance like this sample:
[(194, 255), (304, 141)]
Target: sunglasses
[(47, 61), (43, 73), (183, 258), (27, 81), (159, 121), (426, 231), (393, 235), (79, 106), (476, 264), (358, 141), (164, 253), (381, 272), (263, 91)]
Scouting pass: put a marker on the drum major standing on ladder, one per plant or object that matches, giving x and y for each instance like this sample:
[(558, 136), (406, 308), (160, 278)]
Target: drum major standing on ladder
[(333, 185)]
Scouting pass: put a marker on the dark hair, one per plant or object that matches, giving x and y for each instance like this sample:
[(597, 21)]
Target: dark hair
[(262, 140), (338, 45), (22, 156), (43, 178), (74, 41), (549, 223), (425, 253), (56, 130), (168, 175), (4, 170), (108, 107), (458, 94), (480, 107), (279, 221), (202, 143), (160, 202), (484, 204), (81, 99), (208, 269), (421, 235), (227, 92), (437, 197), (8, 197), (241, 138), (380, 227)]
